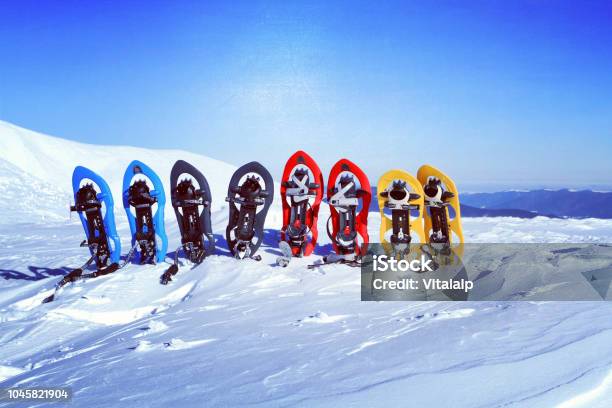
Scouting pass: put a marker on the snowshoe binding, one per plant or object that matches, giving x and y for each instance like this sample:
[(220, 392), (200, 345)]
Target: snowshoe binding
[(191, 203), (301, 193), (145, 212), (443, 216), (96, 212), (250, 194), (437, 200), (349, 196), (401, 206)]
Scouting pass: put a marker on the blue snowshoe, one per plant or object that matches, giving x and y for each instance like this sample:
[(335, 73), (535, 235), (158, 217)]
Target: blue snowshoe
[(149, 238)]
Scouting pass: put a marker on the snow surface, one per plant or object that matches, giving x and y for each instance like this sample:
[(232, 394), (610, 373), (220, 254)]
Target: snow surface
[(231, 333)]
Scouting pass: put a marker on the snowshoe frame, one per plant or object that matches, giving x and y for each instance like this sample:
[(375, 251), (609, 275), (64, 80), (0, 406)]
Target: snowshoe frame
[(299, 214), (245, 228), (140, 228)]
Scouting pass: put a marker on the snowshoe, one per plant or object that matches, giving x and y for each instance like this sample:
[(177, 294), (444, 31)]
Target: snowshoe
[(191, 199), (301, 193), (145, 212), (400, 201), (443, 215), (93, 201), (348, 195), (250, 194)]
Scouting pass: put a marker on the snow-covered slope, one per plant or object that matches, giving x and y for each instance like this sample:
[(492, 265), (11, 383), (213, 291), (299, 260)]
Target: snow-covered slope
[(27, 199), (52, 160), (230, 333)]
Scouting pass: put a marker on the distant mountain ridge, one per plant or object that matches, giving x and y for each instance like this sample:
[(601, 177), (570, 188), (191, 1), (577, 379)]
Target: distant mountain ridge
[(469, 211), (558, 203), (529, 204)]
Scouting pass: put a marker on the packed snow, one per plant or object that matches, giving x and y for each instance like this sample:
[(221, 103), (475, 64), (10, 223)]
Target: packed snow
[(229, 332)]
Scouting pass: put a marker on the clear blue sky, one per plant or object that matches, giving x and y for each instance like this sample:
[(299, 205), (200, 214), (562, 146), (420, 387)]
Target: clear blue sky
[(503, 92)]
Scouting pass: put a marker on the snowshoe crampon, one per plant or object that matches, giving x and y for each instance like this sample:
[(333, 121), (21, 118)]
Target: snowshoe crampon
[(301, 193), (349, 196), (250, 194), (144, 200), (191, 200), (443, 215), (401, 205), (93, 201)]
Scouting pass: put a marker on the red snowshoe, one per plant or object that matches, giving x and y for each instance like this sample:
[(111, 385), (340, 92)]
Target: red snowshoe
[(301, 192), (349, 195)]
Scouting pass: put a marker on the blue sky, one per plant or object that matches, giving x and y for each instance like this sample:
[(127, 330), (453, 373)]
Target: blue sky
[(497, 93)]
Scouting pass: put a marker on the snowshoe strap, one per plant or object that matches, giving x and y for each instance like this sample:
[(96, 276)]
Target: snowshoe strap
[(172, 270), (130, 255), (168, 274), (102, 271), (75, 273), (439, 225), (72, 276), (400, 220), (298, 227), (87, 202), (302, 191), (343, 244), (340, 201)]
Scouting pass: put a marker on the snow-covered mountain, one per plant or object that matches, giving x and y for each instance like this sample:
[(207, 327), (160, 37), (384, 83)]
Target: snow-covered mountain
[(52, 160), (230, 333)]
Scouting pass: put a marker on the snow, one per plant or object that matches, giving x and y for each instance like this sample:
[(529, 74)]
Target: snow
[(537, 230), (231, 332), (52, 160)]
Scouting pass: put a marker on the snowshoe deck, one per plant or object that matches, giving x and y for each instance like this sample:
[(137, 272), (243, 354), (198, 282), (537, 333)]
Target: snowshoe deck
[(440, 195), (146, 225), (349, 196), (96, 212), (301, 194), (102, 239), (249, 203), (191, 199), (399, 195)]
